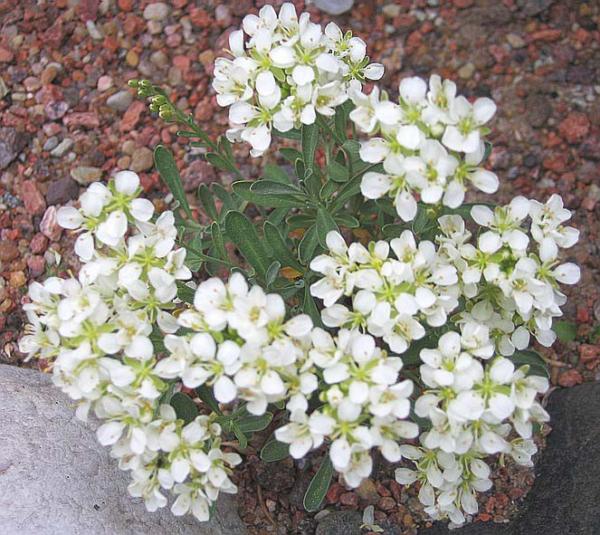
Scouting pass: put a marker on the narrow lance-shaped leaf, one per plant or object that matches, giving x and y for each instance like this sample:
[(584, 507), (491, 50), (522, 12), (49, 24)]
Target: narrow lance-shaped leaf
[(242, 233), (185, 408), (279, 247), (273, 450), (310, 138), (325, 223), (167, 168), (319, 485)]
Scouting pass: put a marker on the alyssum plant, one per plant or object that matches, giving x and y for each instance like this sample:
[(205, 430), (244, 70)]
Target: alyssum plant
[(413, 339)]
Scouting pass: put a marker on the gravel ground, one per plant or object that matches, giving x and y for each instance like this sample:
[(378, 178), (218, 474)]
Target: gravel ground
[(67, 119)]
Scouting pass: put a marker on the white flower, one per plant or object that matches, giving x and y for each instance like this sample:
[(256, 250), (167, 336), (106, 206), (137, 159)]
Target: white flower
[(464, 134)]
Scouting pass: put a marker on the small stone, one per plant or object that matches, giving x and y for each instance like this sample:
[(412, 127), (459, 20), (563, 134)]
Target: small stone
[(537, 110), (174, 76), (3, 88), (12, 142), (570, 378), (85, 175), (104, 83), (38, 244), (62, 191), (32, 198), (156, 11), (334, 493), (6, 55), (93, 30), (196, 173), (8, 250), (132, 116), (56, 109), (120, 101), (514, 40), (466, 71), (386, 503), (50, 73), (334, 7), (62, 148), (32, 83), (141, 160), (50, 144), (87, 119), (126, 5), (349, 498), (340, 523), (49, 226), (391, 10), (160, 59), (36, 265), (132, 58), (17, 279), (574, 127), (367, 491)]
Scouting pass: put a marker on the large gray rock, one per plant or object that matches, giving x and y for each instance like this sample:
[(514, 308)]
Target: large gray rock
[(334, 7), (12, 142), (564, 498), (56, 479)]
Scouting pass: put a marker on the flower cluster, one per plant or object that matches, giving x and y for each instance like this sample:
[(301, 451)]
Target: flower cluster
[(511, 277), (501, 286), (363, 405), (239, 343), (95, 333), (391, 296), (478, 405), (430, 142), (286, 69)]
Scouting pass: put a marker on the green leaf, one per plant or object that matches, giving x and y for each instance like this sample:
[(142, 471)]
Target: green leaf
[(565, 330), (243, 189), (216, 160), (205, 393), (167, 168), (310, 138), (185, 408), (185, 293), (274, 451), (308, 244), (217, 240), (346, 220), (280, 249), (291, 155), (319, 485), (325, 223), (249, 423), (310, 307), (272, 272), (290, 134), (270, 187), (157, 338), (275, 173), (208, 202), (337, 172), (242, 233), (239, 434), (537, 365), (228, 200), (341, 120), (297, 221)]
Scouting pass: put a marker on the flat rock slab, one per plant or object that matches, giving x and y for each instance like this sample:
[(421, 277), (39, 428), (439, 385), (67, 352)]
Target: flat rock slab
[(56, 479), (564, 497)]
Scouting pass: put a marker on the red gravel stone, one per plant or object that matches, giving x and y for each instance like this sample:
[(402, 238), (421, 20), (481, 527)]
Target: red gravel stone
[(132, 116), (32, 198), (36, 265), (334, 493), (570, 378), (6, 55), (386, 504), (38, 244), (87, 119), (575, 127), (349, 498)]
